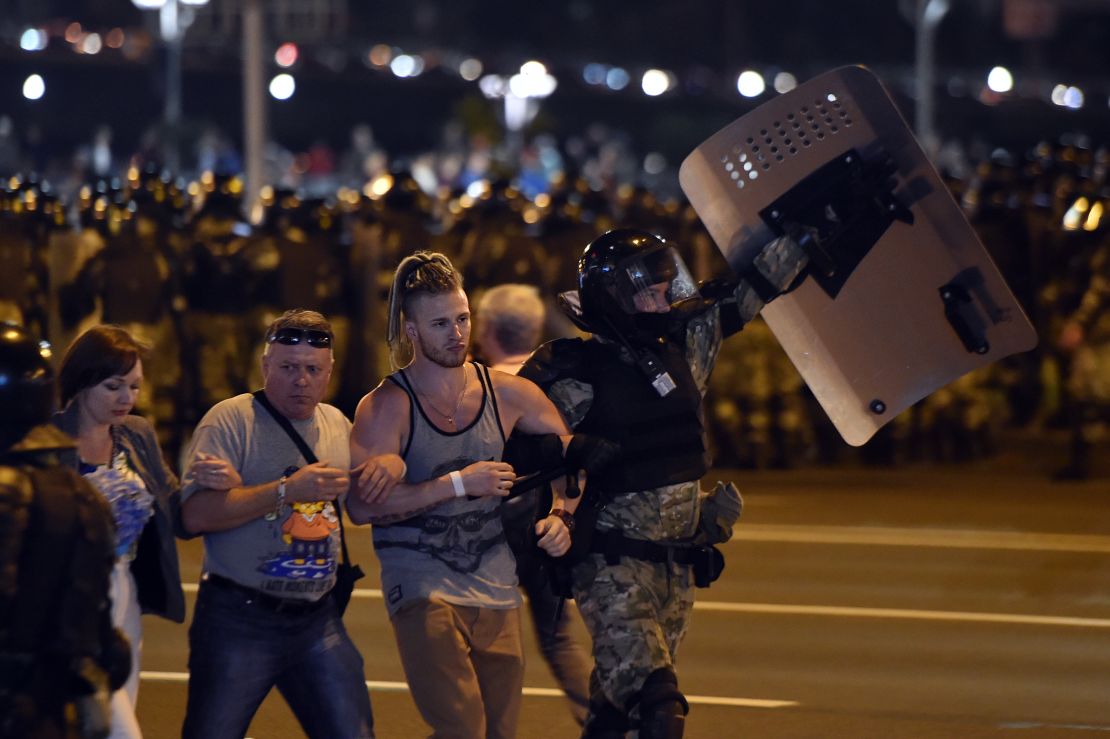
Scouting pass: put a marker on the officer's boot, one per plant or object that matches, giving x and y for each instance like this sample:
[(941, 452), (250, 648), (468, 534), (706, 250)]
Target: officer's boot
[(663, 708), (605, 721)]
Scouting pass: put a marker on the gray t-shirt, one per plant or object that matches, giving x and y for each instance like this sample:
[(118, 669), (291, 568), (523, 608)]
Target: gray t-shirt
[(456, 552), (295, 555)]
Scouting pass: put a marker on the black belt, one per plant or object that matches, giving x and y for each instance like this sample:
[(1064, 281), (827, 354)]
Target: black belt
[(707, 561), (292, 606)]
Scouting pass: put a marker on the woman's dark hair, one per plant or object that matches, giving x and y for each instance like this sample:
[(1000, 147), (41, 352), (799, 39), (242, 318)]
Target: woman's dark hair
[(94, 356)]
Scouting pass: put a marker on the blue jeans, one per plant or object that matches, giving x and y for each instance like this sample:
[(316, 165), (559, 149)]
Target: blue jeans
[(239, 650)]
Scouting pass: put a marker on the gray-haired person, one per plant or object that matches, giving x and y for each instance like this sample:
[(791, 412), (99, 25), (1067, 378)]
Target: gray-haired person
[(263, 616), (509, 323)]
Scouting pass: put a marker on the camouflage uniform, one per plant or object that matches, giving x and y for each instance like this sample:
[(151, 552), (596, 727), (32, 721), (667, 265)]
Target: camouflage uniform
[(637, 611)]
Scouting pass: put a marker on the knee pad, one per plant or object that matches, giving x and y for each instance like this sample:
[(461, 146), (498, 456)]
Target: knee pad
[(663, 708)]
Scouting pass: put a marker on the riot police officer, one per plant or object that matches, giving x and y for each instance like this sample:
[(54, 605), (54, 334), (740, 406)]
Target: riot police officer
[(59, 655), (645, 530)]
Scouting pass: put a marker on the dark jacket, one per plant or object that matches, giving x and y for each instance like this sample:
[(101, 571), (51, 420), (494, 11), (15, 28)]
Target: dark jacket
[(155, 566)]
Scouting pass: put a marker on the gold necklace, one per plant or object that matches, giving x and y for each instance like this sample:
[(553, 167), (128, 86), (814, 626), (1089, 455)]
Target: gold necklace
[(450, 418)]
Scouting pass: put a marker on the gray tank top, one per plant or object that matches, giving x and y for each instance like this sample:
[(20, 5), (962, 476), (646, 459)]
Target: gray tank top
[(457, 551)]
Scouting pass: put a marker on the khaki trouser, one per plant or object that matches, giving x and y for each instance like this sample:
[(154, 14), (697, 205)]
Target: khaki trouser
[(464, 665)]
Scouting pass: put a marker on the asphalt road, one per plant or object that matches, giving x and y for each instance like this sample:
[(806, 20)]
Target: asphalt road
[(967, 601)]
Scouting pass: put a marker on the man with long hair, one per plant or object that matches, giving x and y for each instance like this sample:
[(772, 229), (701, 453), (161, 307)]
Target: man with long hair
[(448, 574)]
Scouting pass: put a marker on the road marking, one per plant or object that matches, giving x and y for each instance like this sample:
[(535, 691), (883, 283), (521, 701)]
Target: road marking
[(911, 614), (904, 613), (913, 537), (385, 686), (1036, 726)]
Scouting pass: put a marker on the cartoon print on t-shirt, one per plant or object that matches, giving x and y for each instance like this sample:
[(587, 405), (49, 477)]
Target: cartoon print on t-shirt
[(308, 530)]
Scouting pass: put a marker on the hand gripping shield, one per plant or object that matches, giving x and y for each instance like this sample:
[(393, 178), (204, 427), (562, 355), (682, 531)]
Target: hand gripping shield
[(901, 298)]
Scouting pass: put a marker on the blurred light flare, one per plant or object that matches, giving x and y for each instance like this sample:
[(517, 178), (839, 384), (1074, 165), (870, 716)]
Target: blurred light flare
[(617, 78), (286, 55), (784, 82), (91, 44), (750, 83), (655, 82), (1000, 80), (470, 69), (283, 86), (34, 87), (33, 39)]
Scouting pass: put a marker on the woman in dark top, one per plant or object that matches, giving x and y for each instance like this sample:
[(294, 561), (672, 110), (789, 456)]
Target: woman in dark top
[(99, 381)]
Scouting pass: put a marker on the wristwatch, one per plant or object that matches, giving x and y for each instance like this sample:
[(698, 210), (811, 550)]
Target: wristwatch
[(565, 516), (273, 515)]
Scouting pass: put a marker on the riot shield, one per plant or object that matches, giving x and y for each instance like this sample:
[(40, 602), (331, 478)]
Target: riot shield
[(901, 297)]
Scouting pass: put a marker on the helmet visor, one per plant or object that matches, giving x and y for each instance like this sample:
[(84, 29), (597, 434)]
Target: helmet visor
[(653, 282)]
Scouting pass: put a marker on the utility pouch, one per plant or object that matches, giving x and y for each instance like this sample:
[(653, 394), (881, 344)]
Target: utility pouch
[(708, 564)]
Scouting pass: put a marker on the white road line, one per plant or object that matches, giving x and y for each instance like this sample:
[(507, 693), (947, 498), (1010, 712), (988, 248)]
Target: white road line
[(905, 613), (853, 612), (913, 537), (384, 686)]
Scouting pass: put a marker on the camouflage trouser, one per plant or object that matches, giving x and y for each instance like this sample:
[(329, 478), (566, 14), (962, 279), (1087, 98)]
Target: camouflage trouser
[(637, 613)]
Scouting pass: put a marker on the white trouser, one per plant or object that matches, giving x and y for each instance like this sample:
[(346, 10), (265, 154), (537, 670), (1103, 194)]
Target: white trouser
[(127, 617)]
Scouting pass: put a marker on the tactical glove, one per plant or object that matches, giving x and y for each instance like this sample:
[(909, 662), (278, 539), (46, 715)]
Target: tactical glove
[(590, 453)]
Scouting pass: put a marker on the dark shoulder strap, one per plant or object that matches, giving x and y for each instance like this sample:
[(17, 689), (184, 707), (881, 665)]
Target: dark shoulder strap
[(403, 383), (286, 426), (306, 452), (483, 371)]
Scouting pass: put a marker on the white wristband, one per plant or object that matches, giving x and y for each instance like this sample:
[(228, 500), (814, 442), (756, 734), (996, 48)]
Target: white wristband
[(457, 483)]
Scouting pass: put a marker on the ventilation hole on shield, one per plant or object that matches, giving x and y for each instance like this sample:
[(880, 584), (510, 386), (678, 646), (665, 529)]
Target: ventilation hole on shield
[(778, 157), (820, 135), (740, 184), (793, 151), (753, 175), (735, 175)]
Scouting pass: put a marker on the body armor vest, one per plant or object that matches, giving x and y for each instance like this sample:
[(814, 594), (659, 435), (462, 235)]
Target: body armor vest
[(662, 439)]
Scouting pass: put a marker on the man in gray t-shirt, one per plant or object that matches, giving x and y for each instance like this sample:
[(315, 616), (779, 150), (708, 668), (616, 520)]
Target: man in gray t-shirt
[(263, 616)]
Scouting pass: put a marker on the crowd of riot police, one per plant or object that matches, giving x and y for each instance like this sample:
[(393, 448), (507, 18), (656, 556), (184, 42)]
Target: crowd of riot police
[(198, 274)]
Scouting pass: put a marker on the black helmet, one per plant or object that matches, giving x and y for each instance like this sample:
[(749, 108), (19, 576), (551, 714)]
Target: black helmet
[(26, 384), (628, 280)]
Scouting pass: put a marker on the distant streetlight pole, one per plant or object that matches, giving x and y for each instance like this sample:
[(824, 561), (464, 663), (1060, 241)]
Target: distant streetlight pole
[(928, 15), (254, 101), (174, 18)]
